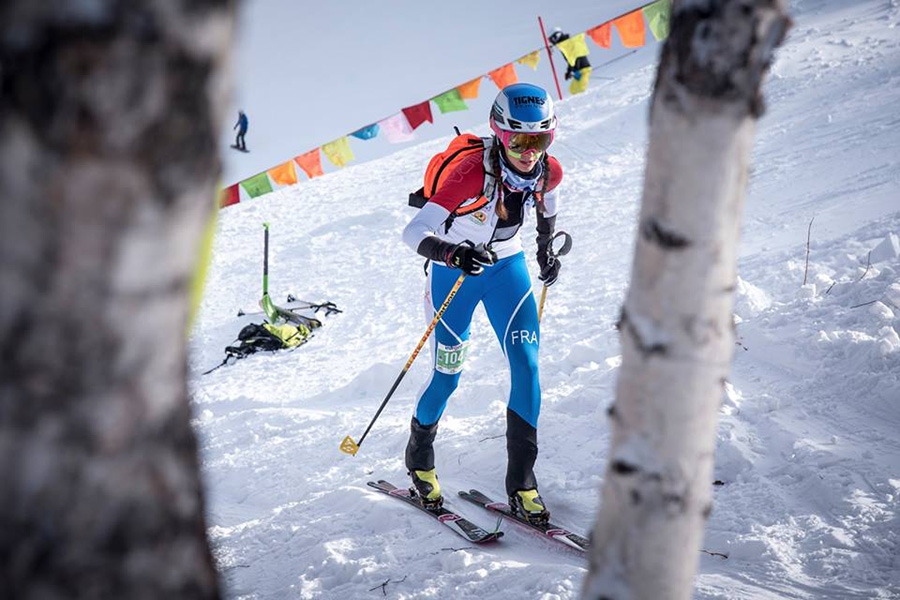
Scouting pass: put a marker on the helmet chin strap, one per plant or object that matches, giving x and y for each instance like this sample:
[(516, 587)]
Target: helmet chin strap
[(515, 179)]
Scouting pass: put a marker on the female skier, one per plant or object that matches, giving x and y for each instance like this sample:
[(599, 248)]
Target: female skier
[(512, 174)]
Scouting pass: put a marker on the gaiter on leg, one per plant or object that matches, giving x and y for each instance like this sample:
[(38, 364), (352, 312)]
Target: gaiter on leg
[(522, 450), (420, 449)]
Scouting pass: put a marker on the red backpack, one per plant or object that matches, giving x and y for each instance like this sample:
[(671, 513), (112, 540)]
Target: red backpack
[(442, 164)]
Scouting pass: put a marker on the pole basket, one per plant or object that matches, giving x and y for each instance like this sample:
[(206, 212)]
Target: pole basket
[(348, 446)]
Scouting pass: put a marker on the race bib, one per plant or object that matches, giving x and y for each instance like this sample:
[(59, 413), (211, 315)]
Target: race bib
[(450, 358)]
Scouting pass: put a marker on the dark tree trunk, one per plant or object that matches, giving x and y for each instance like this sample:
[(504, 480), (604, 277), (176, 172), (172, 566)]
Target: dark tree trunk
[(109, 117)]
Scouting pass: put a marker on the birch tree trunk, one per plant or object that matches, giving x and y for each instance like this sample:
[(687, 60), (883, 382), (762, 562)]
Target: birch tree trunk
[(676, 325), (110, 113)]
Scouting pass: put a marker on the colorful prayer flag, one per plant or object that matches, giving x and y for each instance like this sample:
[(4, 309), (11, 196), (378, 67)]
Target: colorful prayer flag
[(602, 35), (450, 101), (396, 128), (338, 151), (658, 17), (531, 60), (504, 76), (579, 82), (230, 195), (366, 133), (573, 48), (631, 29), (418, 114), (469, 90), (257, 185), (311, 163), (284, 174)]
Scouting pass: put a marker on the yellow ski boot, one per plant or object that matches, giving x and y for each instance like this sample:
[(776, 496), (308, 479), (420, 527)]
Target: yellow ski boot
[(427, 487), (529, 505)]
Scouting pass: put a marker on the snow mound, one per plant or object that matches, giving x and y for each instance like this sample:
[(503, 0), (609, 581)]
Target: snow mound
[(749, 300), (887, 250)]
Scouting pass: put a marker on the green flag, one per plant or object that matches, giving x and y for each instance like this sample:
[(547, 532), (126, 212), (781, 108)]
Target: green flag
[(450, 101), (257, 185), (658, 16)]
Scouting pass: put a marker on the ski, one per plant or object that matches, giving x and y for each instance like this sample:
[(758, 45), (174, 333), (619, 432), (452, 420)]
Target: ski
[(460, 525), (292, 306), (554, 532)]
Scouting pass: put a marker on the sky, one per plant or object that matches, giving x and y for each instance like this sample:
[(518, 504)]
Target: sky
[(307, 73), (807, 452)]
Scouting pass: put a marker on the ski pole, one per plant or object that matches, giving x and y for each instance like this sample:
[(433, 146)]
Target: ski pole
[(266, 260), (351, 447), (266, 302), (552, 256), (541, 305)]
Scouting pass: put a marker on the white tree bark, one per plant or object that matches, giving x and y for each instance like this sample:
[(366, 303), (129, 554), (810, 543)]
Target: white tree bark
[(110, 113), (676, 324)]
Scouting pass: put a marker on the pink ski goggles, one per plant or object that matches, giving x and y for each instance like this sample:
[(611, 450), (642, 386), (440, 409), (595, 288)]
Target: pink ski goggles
[(517, 143)]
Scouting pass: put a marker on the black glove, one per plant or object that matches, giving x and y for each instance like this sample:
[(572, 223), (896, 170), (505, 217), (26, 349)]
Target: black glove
[(549, 264), (568, 75), (469, 259)]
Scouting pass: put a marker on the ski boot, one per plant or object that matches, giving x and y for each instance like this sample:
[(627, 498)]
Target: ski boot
[(529, 505), (427, 488)]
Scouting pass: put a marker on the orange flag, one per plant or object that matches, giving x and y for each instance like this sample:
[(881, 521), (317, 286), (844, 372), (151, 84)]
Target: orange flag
[(284, 174), (504, 76), (311, 163), (469, 90), (602, 35), (631, 29), (230, 195)]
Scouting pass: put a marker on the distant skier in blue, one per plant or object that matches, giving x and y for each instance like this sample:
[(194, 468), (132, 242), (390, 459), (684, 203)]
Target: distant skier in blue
[(512, 177), (241, 126)]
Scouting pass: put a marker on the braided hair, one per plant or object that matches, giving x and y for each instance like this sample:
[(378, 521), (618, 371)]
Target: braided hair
[(545, 181), (498, 179)]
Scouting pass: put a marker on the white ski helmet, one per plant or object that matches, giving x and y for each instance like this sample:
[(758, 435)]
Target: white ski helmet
[(523, 108)]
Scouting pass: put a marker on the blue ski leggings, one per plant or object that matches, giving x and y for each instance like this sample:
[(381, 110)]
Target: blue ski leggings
[(505, 290)]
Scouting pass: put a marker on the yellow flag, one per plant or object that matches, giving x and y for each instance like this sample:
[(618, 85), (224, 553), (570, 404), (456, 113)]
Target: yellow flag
[(338, 151), (531, 60), (573, 48)]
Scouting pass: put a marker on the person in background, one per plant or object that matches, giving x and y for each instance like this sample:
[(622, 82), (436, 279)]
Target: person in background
[(241, 126), (581, 62), (494, 189)]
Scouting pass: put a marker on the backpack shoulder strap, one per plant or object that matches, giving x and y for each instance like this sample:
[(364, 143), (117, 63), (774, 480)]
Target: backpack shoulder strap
[(488, 187), (490, 178)]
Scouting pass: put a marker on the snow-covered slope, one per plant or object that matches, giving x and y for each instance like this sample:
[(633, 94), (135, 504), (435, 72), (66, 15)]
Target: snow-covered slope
[(808, 456)]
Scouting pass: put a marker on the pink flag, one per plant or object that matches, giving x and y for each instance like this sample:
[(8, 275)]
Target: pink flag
[(396, 128)]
